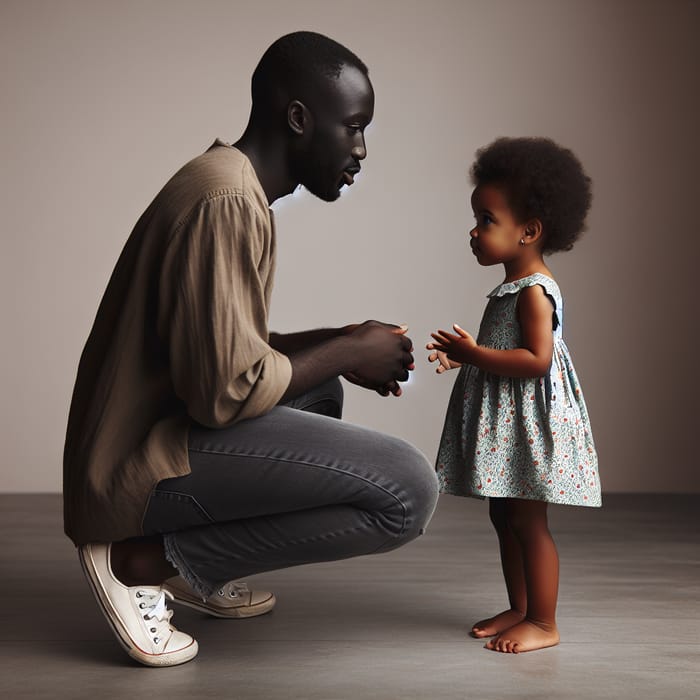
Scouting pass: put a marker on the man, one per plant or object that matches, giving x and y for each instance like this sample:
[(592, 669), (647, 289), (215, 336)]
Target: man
[(200, 447)]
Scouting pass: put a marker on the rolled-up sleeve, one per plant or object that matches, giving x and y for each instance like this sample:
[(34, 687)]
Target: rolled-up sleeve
[(213, 298)]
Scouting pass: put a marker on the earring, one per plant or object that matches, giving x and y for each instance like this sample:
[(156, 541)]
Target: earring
[(522, 241)]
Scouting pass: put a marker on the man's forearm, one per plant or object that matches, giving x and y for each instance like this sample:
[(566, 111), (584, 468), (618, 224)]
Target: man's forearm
[(291, 343), (377, 354), (318, 363)]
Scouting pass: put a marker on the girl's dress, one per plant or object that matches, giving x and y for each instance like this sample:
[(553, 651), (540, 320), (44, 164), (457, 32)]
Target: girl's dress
[(510, 437)]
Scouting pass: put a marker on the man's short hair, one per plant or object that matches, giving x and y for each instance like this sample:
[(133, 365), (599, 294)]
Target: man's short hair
[(296, 59)]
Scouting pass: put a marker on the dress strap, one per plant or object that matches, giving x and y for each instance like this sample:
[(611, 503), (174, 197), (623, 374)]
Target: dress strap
[(550, 287)]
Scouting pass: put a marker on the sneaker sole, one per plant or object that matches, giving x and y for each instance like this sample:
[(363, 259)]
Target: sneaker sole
[(126, 642), (231, 613)]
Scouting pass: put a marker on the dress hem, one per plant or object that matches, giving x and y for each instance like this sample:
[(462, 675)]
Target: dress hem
[(482, 496)]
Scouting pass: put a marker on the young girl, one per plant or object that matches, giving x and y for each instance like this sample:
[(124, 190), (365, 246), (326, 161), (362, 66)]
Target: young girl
[(517, 429)]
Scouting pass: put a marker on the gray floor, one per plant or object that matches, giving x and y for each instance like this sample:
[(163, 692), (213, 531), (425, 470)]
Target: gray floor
[(387, 627)]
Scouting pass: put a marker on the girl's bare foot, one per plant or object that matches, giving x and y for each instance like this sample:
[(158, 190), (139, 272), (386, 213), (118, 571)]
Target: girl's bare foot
[(496, 624), (525, 636)]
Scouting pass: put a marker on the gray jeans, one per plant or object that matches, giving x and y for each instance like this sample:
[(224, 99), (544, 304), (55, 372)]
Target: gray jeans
[(291, 487)]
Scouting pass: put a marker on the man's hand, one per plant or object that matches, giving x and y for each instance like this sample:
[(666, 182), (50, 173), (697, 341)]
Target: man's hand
[(451, 349), (390, 388), (383, 357)]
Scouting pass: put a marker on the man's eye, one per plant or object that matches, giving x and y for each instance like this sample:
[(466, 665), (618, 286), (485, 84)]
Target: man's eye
[(354, 128)]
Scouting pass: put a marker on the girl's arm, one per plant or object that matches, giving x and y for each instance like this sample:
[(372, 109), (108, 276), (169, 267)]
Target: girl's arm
[(532, 359)]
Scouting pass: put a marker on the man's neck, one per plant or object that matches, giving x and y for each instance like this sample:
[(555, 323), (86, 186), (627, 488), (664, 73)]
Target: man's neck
[(266, 152)]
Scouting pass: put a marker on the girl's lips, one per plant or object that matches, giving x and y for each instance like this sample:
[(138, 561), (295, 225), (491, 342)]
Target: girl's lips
[(348, 178)]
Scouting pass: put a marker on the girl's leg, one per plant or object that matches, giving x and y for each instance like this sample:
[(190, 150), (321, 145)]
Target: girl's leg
[(513, 573), (528, 522)]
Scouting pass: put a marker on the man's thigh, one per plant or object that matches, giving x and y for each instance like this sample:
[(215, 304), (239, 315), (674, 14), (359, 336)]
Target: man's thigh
[(290, 460)]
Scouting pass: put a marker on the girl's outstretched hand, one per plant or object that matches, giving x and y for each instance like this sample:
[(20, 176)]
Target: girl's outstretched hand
[(444, 362), (451, 350)]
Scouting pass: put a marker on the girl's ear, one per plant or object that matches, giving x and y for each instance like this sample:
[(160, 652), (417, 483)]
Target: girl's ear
[(298, 117), (533, 231)]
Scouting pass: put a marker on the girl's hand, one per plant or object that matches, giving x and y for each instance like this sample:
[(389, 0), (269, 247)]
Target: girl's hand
[(444, 362), (456, 348)]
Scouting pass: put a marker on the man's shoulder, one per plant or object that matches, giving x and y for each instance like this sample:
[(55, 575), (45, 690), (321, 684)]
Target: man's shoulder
[(221, 171)]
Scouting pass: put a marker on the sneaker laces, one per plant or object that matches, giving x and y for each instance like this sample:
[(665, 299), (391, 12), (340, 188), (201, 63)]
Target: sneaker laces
[(233, 589), (155, 613)]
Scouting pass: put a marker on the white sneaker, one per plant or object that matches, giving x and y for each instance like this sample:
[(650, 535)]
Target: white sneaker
[(232, 600), (138, 615)]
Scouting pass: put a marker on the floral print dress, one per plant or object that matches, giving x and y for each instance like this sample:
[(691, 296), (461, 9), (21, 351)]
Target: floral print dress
[(511, 437)]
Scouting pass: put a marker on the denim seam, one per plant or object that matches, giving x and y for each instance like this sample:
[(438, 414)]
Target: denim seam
[(193, 501), (305, 540), (315, 466)]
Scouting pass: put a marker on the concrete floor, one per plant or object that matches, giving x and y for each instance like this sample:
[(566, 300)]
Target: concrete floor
[(388, 627)]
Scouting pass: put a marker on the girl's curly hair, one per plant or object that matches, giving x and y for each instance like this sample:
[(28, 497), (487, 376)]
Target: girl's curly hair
[(542, 180)]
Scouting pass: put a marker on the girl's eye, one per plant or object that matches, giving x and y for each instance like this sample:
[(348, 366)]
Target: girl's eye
[(486, 220)]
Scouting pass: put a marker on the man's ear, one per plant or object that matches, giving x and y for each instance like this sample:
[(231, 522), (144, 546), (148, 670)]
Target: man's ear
[(298, 117), (533, 231)]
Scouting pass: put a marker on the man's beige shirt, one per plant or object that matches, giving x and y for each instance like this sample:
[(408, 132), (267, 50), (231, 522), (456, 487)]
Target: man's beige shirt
[(181, 334)]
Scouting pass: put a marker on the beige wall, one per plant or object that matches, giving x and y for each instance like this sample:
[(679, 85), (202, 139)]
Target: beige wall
[(101, 101)]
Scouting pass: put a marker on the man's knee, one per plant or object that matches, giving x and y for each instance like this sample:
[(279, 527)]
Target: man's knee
[(417, 489), (425, 484), (330, 399), (325, 399)]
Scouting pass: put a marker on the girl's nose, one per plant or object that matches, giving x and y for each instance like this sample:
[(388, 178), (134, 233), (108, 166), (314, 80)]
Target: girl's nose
[(473, 233)]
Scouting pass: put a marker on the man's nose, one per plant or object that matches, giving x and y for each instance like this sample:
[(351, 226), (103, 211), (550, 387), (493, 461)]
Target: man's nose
[(359, 151)]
